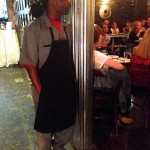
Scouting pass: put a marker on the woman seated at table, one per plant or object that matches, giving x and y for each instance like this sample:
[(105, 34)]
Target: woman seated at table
[(114, 28), (140, 62), (136, 33), (115, 72)]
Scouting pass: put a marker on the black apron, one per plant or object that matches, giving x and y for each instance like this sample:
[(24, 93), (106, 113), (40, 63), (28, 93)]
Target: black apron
[(57, 102)]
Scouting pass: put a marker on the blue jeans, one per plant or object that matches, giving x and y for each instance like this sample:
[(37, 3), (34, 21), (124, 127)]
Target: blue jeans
[(111, 79)]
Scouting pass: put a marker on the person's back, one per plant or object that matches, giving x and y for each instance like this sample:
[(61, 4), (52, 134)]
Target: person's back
[(114, 72), (140, 62), (140, 71)]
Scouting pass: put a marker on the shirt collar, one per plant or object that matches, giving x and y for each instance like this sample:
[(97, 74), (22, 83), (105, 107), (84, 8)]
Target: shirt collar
[(47, 22)]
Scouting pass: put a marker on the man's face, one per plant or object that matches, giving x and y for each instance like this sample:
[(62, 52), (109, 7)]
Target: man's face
[(62, 6), (105, 28)]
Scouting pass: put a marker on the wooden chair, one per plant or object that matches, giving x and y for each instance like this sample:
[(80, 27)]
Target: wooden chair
[(102, 99)]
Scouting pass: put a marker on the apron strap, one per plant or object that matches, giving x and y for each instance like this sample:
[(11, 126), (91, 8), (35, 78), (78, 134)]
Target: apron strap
[(51, 33), (66, 33)]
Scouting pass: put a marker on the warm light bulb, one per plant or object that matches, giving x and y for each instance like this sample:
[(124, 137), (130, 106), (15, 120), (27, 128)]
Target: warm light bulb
[(105, 1)]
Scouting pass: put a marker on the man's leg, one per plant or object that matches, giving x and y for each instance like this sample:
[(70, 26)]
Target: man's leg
[(43, 140), (62, 139)]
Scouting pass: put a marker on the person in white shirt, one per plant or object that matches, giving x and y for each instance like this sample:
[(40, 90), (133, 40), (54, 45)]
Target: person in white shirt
[(115, 72), (114, 29)]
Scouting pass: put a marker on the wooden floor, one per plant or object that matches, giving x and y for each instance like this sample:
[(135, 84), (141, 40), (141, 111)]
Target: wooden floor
[(131, 137), (17, 119)]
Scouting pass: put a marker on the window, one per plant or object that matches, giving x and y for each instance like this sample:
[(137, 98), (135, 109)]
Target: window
[(3, 11)]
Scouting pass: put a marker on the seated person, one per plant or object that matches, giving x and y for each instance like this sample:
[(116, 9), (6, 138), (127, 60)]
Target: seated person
[(136, 33), (140, 62), (114, 28), (143, 23), (104, 38), (106, 22), (127, 28), (148, 23), (115, 72)]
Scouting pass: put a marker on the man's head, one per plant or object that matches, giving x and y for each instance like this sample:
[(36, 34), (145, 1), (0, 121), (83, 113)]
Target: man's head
[(104, 28), (59, 7), (106, 22)]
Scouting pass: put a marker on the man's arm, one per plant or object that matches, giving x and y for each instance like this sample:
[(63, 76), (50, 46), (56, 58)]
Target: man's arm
[(34, 76)]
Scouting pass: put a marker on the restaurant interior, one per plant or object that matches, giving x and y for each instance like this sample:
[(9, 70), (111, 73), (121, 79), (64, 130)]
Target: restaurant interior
[(113, 18)]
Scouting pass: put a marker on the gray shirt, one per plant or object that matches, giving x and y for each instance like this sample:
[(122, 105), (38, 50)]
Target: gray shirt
[(105, 39), (37, 41), (37, 44)]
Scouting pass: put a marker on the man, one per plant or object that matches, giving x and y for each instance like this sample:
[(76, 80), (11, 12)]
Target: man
[(47, 56), (106, 22), (104, 37)]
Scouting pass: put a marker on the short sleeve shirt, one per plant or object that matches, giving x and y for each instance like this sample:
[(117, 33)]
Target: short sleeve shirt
[(105, 39), (37, 41), (99, 59)]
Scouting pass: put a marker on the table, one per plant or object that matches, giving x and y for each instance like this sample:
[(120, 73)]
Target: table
[(9, 48), (124, 61), (119, 45), (118, 35)]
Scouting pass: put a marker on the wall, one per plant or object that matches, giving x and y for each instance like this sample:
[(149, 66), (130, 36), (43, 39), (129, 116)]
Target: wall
[(141, 9)]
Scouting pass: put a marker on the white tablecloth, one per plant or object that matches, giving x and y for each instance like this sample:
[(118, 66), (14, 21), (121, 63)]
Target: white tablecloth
[(9, 48)]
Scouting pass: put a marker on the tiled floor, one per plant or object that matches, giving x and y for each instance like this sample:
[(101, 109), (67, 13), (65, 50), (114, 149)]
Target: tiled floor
[(17, 119), (16, 110)]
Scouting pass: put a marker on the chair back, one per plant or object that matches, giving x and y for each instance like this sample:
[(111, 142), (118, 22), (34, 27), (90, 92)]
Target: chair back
[(105, 103)]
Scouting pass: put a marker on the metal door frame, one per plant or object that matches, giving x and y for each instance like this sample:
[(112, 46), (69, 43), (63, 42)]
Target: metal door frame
[(82, 26)]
